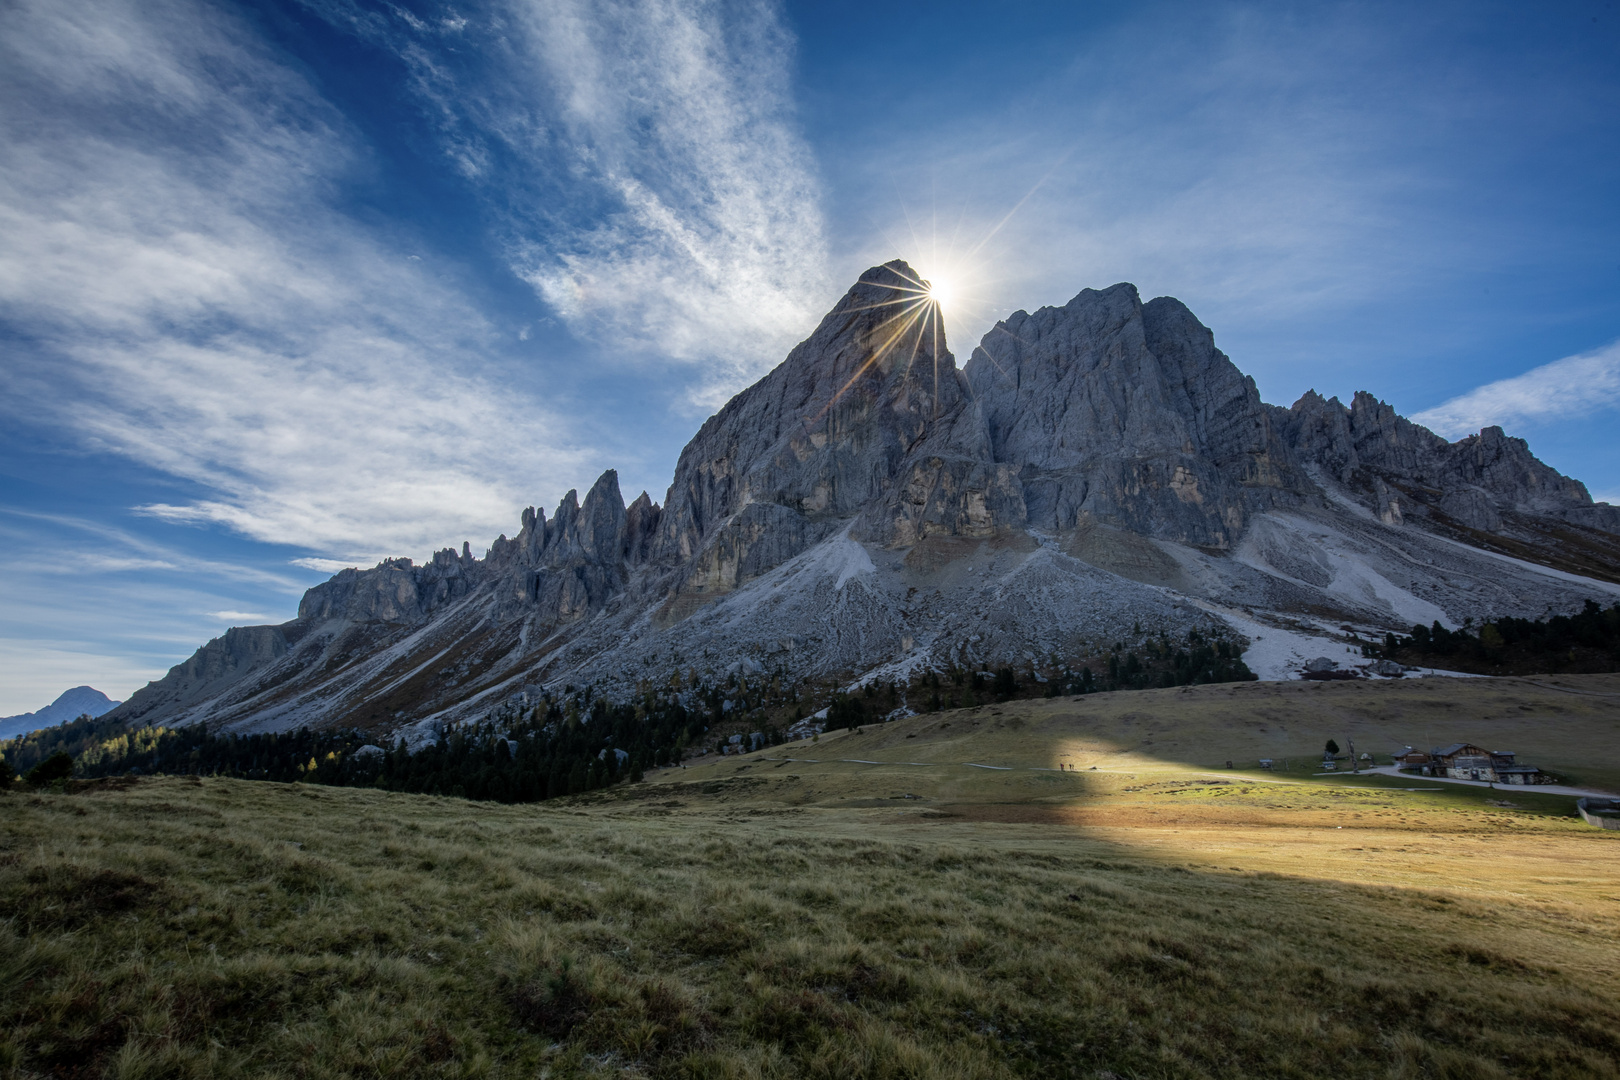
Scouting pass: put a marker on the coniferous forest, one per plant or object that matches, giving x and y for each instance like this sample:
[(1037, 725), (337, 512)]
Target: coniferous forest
[(518, 756), (1584, 643), (579, 742)]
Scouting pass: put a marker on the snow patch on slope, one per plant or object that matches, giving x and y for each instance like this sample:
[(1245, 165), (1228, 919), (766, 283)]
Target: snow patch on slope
[(848, 558), (1312, 554), (1276, 654)]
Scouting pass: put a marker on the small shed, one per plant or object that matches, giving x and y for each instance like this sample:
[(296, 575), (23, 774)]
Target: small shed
[(1521, 774), (1415, 760), (1604, 813)]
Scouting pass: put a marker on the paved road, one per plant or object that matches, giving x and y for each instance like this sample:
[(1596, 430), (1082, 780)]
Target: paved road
[(1544, 789)]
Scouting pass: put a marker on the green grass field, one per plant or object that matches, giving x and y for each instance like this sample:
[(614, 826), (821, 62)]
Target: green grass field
[(1161, 916)]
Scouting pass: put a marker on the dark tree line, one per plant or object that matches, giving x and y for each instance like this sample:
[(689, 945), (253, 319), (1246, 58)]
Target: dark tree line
[(575, 744), (1160, 663), (1588, 641), (558, 748), (1163, 663), (24, 752)]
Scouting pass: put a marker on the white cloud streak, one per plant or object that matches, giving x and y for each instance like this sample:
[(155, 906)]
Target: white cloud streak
[(92, 603), (109, 549), (180, 285), (187, 297), (325, 566), (713, 252), (1566, 389), (650, 176)]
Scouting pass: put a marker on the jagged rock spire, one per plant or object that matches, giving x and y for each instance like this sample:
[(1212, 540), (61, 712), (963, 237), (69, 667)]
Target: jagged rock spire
[(826, 436), (1103, 412)]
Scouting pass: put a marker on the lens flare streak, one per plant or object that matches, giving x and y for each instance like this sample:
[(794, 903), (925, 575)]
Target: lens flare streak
[(917, 304)]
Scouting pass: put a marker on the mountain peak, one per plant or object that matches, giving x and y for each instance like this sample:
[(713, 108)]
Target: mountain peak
[(885, 322), (69, 705), (1097, 469), (817, 440)]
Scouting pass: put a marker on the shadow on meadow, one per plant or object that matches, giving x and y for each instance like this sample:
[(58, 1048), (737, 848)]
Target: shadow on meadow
[(220, 928)]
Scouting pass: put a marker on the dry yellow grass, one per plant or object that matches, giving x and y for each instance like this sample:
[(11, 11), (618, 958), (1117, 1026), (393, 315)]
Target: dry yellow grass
[(1149, 776), (1160, 917), (1567, 723)]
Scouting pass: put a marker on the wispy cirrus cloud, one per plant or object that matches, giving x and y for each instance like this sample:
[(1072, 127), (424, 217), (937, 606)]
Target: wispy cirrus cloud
[(83, 545), (1574, 387), (90, 602), (325, 566), (642, 160), (186, 283), (240, 618), (181, 290)]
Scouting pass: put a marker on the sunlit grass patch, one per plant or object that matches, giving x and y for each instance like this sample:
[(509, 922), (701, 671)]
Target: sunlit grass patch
[(227, 928)]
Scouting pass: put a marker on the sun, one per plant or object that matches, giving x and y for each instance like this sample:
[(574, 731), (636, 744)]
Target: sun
[(940, 291)]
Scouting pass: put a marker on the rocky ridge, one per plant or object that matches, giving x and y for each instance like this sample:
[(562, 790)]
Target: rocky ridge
[(867, 509)]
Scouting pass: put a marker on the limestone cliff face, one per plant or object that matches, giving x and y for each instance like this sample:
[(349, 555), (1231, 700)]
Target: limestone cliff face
[(1402, 468), (1127, 414), (868, 416), (394, 590), (563, 570), (211, 670), (803, 518)]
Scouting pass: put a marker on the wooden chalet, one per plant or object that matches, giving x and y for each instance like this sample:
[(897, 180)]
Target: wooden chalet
[(1466, 761)]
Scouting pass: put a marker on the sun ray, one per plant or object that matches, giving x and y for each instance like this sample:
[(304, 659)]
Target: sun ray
[(1020, 204), (916, 343), (934, 318), (901, 322)]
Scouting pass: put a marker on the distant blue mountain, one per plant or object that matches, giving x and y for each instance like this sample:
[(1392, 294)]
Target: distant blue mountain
[(70, 706)]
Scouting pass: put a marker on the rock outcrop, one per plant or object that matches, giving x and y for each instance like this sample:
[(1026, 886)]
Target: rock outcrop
[(212, 670), (867, 507), (1488, 484), (868, 415), (393, 591), (560, 571), (1128, 414)]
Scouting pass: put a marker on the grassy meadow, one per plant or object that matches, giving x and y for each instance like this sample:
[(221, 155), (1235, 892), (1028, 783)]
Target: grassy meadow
[(1148, 914)]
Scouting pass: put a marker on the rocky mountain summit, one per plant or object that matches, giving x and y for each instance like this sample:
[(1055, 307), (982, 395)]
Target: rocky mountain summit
[(69, 705), (1095, 472)]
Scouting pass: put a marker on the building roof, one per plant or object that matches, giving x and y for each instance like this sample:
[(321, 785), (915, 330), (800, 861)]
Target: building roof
[(1459, 747)]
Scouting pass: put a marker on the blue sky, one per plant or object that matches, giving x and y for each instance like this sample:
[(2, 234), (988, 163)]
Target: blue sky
[(287, 286)]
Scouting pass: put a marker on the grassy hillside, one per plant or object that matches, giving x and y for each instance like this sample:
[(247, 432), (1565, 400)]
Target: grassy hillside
[(1160, 917), (1568, 724)]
